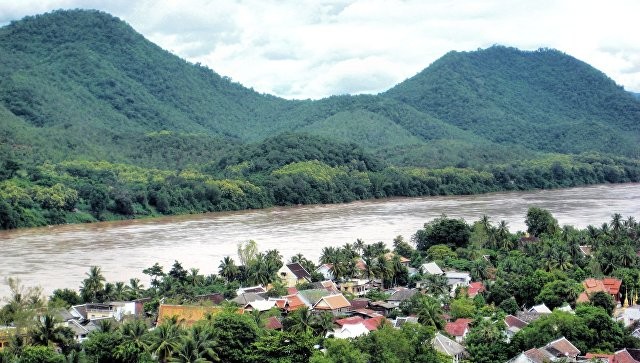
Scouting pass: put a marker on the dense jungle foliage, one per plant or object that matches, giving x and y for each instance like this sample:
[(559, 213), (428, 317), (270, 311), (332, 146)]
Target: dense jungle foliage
[(98, 123)]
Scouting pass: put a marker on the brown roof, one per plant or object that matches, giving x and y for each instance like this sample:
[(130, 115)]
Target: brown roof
[(537, 355), (623, 356), (562, 347), (513, 321), (299, 271), (365, 313), (333, 302), (273, 323), (390, 255), (360, 303), (610, 358), (458, 327)]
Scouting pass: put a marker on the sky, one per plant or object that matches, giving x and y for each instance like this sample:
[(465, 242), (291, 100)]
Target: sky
[(303, 49)]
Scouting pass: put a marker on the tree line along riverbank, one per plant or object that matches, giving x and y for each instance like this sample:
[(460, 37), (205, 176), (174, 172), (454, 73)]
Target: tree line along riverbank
[(546, 265), (89, 191)]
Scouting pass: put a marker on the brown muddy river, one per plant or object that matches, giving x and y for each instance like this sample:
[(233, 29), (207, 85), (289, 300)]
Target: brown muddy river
[(59, 256)]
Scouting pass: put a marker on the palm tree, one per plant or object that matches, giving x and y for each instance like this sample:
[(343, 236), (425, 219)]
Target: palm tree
[(47, 333), (479, 269), (384, 269), (195, 347), (120, 290), (135, 288), (194, 278), (135, 332), (429, 312), (321, 323), (166, 339), (92, 285), (298, 321), (358, 245), (328, 254), (228, 269), (437, 285)]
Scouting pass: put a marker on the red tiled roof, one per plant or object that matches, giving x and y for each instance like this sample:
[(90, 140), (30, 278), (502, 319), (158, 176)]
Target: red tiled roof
[(609, 284), (609, 357), (374, 323), (292, 290), (458, 327), (622, 356), (360, 303), (272, 323), (475, 288), (294, 302), (350, 320), (280, 303), (511, 320), (536, 355)]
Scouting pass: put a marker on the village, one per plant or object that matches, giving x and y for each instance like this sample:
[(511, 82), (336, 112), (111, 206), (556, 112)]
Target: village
[(375, 289)]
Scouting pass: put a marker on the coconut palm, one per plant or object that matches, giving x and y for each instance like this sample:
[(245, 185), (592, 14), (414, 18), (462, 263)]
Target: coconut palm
[(321, 323), (429, 312), (48, 333), (135, 288), (165, 340), (92, 285), (228, 269)]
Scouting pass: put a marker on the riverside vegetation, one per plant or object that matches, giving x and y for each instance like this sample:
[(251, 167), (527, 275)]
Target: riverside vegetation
[(97, 123), (546, 267)]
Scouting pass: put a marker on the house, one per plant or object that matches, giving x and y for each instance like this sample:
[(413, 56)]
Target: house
[(186, 314), (627, 356), (365, 313), (604, 358), (82, 328), (514, 325), (326, 270), (566, 308), (457, 279), (360, 303), (540, 309), (247, 297), (449, 347), (562, 348), (258, 289), (608, 284), (293, 302), (522, 358), (357, 287), (403, 260), (475, 288), (401, 320), (528, 316), (349, 331), (292, 274), (558, 349), (260, 305), (586, 251), (336, 304), (630, 315), (382, 307), (116, 310), (273, 323), (431, 268), (311, 296), (458, 329), (400, 295)]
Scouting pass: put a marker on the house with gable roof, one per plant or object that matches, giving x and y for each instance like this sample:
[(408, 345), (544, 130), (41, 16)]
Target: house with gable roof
[(336, 304), (458, 329), (292, 274), (609, 285), (449, 347)]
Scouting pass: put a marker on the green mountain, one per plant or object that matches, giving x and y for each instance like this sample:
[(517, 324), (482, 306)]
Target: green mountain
[(96, 122)]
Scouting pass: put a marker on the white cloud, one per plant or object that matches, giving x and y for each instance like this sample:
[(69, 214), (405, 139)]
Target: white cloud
[(313, 49)]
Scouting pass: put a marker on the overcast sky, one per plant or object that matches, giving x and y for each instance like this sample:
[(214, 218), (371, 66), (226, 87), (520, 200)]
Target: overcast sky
[(314, 49)]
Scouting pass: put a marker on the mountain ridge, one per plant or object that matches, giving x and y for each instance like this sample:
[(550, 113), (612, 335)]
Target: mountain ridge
[(96, 122)]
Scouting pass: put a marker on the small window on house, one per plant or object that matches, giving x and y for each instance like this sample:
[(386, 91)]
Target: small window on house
[(283, 274)]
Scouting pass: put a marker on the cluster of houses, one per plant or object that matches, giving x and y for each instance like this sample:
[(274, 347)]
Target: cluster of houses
[(358, 315)]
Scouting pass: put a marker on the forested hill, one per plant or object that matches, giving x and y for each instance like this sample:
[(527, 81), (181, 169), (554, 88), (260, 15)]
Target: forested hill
[(544, 100), (96, 122)]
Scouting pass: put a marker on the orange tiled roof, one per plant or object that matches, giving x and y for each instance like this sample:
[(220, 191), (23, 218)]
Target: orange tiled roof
[(294, 302), (608, 284), (333, 302), (475, 288), (350, 320), (457, 328), (374, 323)]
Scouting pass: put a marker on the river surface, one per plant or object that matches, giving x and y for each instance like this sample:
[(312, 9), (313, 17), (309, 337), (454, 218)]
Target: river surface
[(59, 256)]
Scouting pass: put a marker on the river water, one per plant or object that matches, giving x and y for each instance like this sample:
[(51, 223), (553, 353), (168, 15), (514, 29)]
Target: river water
[(59, 256)]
